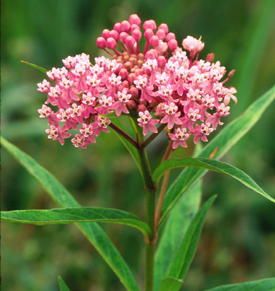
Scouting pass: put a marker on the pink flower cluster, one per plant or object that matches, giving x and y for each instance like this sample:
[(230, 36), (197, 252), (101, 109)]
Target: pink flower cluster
[(159, 84)]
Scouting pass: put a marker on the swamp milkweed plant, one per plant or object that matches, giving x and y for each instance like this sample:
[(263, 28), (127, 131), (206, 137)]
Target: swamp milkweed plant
[(162, 86)]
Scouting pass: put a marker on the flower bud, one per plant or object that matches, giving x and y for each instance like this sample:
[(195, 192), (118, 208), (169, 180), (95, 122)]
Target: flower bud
[(106, 33), (170, 36), (161, 34), (117, 27), (172, 44), (154, 41), (111, 43), (114, 34), (101, 42), (134, 19), (148, 33), (149, 24), (125, 25), (164, 27), (137, 34)]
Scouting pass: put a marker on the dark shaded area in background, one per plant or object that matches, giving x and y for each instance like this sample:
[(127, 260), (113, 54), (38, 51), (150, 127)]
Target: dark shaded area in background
[(238, 240)]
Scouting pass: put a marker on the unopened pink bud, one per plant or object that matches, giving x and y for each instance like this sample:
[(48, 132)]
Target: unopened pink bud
[(154, 41), (134, 27), (131, 77), (172, 44), (161, 61), (106, 33), (161, 34), (123, 35), (164, 27), (111, 43), (148, 33), (134, 19), (125, 84), (142, 107), (101, 42), (149, 24), (125, 25), (117, 27), (133, 91), (123, 73), (114, 34), (210, 57), (131, 104), (170, 36), (130, 41), (137, 34)]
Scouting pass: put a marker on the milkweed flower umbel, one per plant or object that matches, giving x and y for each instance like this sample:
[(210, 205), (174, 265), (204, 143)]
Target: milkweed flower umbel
[(159, 84)]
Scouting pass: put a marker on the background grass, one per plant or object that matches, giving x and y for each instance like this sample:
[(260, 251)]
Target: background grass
[(239, 238)]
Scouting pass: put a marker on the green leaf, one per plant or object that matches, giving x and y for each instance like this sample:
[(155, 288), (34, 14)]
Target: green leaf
[(174, 230), (170, 284), (216, 166), (259, 285), (92, 231), (34, 66), (183, 256), (62, 285), (71, 215), (223, 142)]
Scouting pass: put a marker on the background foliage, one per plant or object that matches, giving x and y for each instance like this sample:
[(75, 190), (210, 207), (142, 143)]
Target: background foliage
[(238, 240)]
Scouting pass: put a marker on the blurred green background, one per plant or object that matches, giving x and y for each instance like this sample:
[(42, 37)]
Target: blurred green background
[(238, 241)]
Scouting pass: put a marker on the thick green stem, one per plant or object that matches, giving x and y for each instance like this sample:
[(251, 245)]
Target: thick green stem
[(151, 197)]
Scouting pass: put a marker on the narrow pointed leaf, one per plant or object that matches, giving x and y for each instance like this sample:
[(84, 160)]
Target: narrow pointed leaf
[(62, 285), (223, 142), (170, 284), (259, 285), (175, 229), (72, 215), (34, 66), (216, 166), (183, 257), (92, 231)]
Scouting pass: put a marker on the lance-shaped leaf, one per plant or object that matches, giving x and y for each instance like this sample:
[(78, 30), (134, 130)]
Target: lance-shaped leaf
[(216, 166), (62, 285), (183, 256), (175, 229), (34, 66), (92, 231), (72, 215), (259, 285), (224, 141)]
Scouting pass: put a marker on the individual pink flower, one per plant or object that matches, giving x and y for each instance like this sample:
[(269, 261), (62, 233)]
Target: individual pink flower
[(179, 137), (192, 45), (147, 123), (171, 115)]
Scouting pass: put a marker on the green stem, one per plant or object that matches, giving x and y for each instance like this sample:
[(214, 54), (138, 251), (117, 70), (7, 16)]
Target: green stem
[(151, 196)]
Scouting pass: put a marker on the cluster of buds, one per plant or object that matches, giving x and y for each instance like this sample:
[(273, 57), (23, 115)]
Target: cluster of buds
[(159, 84)]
